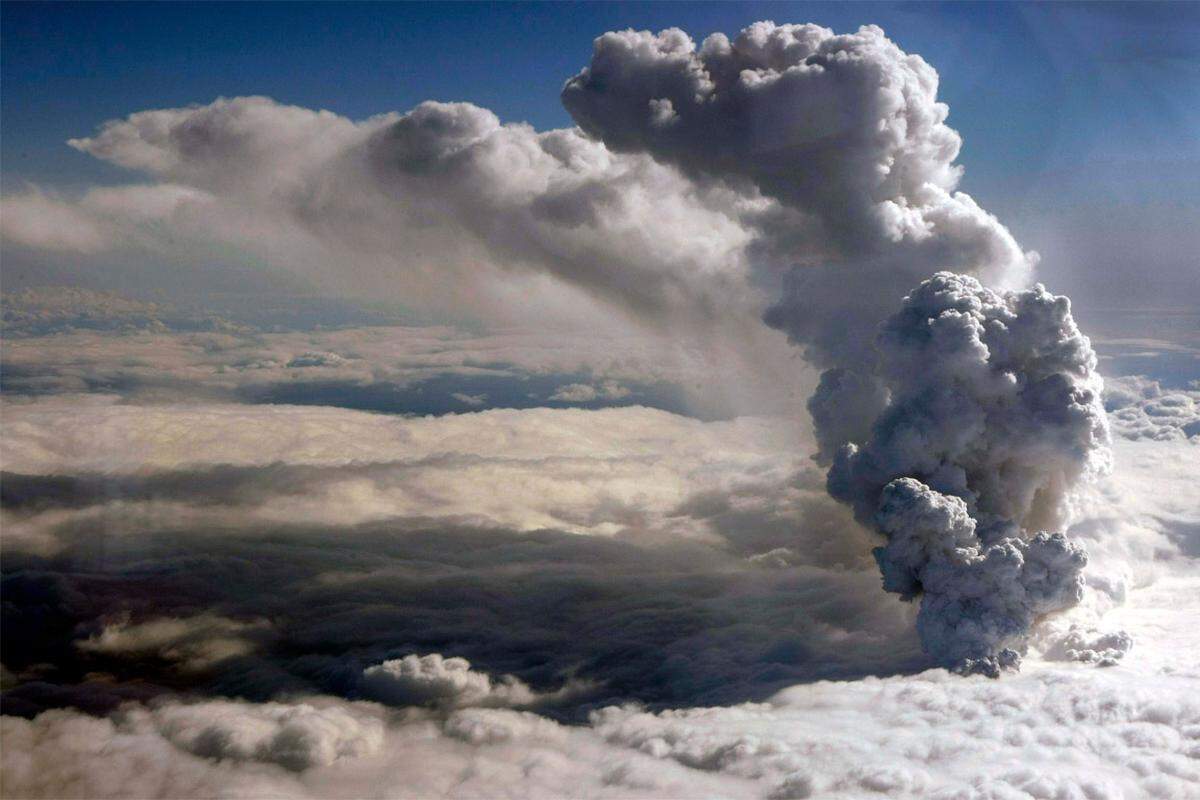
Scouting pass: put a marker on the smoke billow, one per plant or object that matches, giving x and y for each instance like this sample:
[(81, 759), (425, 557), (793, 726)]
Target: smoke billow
[(845, 138), (974, 412), (994, 415)]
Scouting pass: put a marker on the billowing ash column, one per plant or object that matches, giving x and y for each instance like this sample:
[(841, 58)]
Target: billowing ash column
[(994, 414), (958, 428)]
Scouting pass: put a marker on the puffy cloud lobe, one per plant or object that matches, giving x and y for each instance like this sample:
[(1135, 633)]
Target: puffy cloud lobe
[(1141, 409), (296, 736), (210, 145), (814, 119), (847, 131), (993, 416), (214, 748), (993, 397), (447, 682), (843, 408), (977, 602), (1091, 646)]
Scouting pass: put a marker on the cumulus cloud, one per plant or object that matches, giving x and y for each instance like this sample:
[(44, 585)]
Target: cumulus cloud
[(776, 586), (450, 683), (209, 748), (1091, 646), (1049, 733), (446, 534), (469, 399), (586, 393), (296, 736), (829, 210), (414, 208), (1141, 409), (670, 627), (414, 680)]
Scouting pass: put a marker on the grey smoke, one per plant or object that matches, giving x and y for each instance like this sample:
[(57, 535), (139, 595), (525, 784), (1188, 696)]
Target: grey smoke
[(843, 133), (994, 415), (975, 412)]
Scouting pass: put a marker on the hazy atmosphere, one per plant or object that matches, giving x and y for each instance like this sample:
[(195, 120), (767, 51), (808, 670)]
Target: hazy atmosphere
[(763, 400)]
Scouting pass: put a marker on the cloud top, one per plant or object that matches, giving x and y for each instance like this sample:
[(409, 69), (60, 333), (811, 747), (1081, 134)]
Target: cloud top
[(444, 682), (844, 132)]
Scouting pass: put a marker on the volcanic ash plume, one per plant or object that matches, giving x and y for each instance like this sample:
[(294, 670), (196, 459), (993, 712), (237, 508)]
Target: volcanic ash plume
[(838, 141), (975, 412), (993, 415)]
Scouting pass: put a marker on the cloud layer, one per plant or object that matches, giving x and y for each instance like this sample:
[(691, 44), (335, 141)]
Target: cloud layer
[(1059, 733)]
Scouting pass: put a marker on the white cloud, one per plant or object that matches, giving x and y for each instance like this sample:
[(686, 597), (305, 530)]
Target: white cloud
[(829, 210), (586, 392), (296, 736), (414, 680), (451, 683), (36, 219), (470, 399), (1141, 409), (1054, 731), (1049, 733), (193, 643), (103, 219)]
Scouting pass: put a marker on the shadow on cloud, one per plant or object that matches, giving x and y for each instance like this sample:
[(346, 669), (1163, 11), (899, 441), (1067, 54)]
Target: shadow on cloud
[(666, 625)]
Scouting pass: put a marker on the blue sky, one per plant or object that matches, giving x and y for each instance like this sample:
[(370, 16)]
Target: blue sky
[(1072, 114)]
